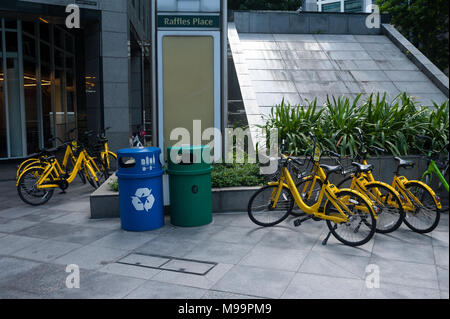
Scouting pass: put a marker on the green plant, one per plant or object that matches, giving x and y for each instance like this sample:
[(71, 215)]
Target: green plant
[(114, 185), (424, 23), (236, 175), (394, 126)]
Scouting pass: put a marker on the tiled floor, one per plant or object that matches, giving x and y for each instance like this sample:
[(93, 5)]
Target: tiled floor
[(37, 244)]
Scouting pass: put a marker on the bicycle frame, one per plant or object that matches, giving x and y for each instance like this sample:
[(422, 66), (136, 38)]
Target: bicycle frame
[(33, 161), (328, 190), (361, 182), (400, 183), (433, 168), (52, 168)]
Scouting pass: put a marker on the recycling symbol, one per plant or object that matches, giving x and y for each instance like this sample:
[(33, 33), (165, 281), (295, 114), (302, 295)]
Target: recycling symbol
[(143, 200)]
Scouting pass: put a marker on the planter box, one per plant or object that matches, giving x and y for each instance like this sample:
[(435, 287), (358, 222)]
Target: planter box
[(233, 199), (104, 202)]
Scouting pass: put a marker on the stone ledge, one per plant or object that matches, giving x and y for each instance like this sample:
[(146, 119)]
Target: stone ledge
[(421, 61)]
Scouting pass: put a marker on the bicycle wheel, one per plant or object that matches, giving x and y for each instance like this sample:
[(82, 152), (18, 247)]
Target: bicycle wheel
[(310, 200), (361, 225), (111, 163), (391, 214), (426, 215), (28, 191), (95, 184), (261, 210)]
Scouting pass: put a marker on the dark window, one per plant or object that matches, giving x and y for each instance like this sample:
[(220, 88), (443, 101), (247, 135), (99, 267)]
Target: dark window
[(11, 41), (29, 27), (29, 46)]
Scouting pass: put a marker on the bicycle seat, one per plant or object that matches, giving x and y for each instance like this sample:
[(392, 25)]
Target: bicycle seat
[(331, 169), (404, 164), (363, 168)]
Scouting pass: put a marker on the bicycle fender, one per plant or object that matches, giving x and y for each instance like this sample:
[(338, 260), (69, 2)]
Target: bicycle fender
[(24, 164), (25, 171), (429, 189)]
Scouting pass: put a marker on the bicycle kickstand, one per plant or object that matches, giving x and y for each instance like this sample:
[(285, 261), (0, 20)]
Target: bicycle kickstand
[(300, 221), (325, 241)]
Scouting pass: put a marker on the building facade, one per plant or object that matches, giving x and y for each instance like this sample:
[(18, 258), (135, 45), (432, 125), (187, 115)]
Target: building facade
[(54, 79), (344, 5)]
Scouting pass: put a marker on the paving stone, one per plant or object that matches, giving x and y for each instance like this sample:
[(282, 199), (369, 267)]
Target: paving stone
[(91, 257), (307, 286), (406, 236), (219, 252), (191, 280), (404, 252), (335, 246), (253, 281), (369, 75), (168, 246), (12, 294), (17, 212), (130, 271), (224, 219), (406, 273), (46, 251), (212, 294), (46, 230), (241, 235), (442, 272), (283, 259), (12, 243), (339, 46), (41, 280), (44, 215), (98, 285), (10, 267), (284, 238), (75, 206), (441, 255), (440, 238), (188, 266), (391, 291), (160, 290), (125, 240), (82, 235), (193, 233), (15, 225), (339, 265), (144, 260)]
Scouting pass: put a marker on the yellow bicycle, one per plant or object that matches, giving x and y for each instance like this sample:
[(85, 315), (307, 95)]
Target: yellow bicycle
[(420, 204), (37, 183), (42, 156), (350, 216)]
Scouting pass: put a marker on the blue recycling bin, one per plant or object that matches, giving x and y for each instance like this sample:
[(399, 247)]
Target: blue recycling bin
[(140, 189)]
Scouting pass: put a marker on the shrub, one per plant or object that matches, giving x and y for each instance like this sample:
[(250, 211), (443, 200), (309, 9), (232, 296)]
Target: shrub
[(394, 126), (236, 175)]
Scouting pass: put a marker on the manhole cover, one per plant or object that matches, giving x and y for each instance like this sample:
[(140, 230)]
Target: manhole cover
[(187, 266)]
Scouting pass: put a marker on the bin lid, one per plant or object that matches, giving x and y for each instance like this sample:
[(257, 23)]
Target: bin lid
[(189, 158), (139, 162)]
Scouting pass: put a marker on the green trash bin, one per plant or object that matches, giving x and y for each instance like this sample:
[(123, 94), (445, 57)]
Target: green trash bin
[(190, 186)]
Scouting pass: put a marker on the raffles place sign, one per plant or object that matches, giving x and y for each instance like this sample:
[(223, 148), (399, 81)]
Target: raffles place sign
[(189, 21)]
